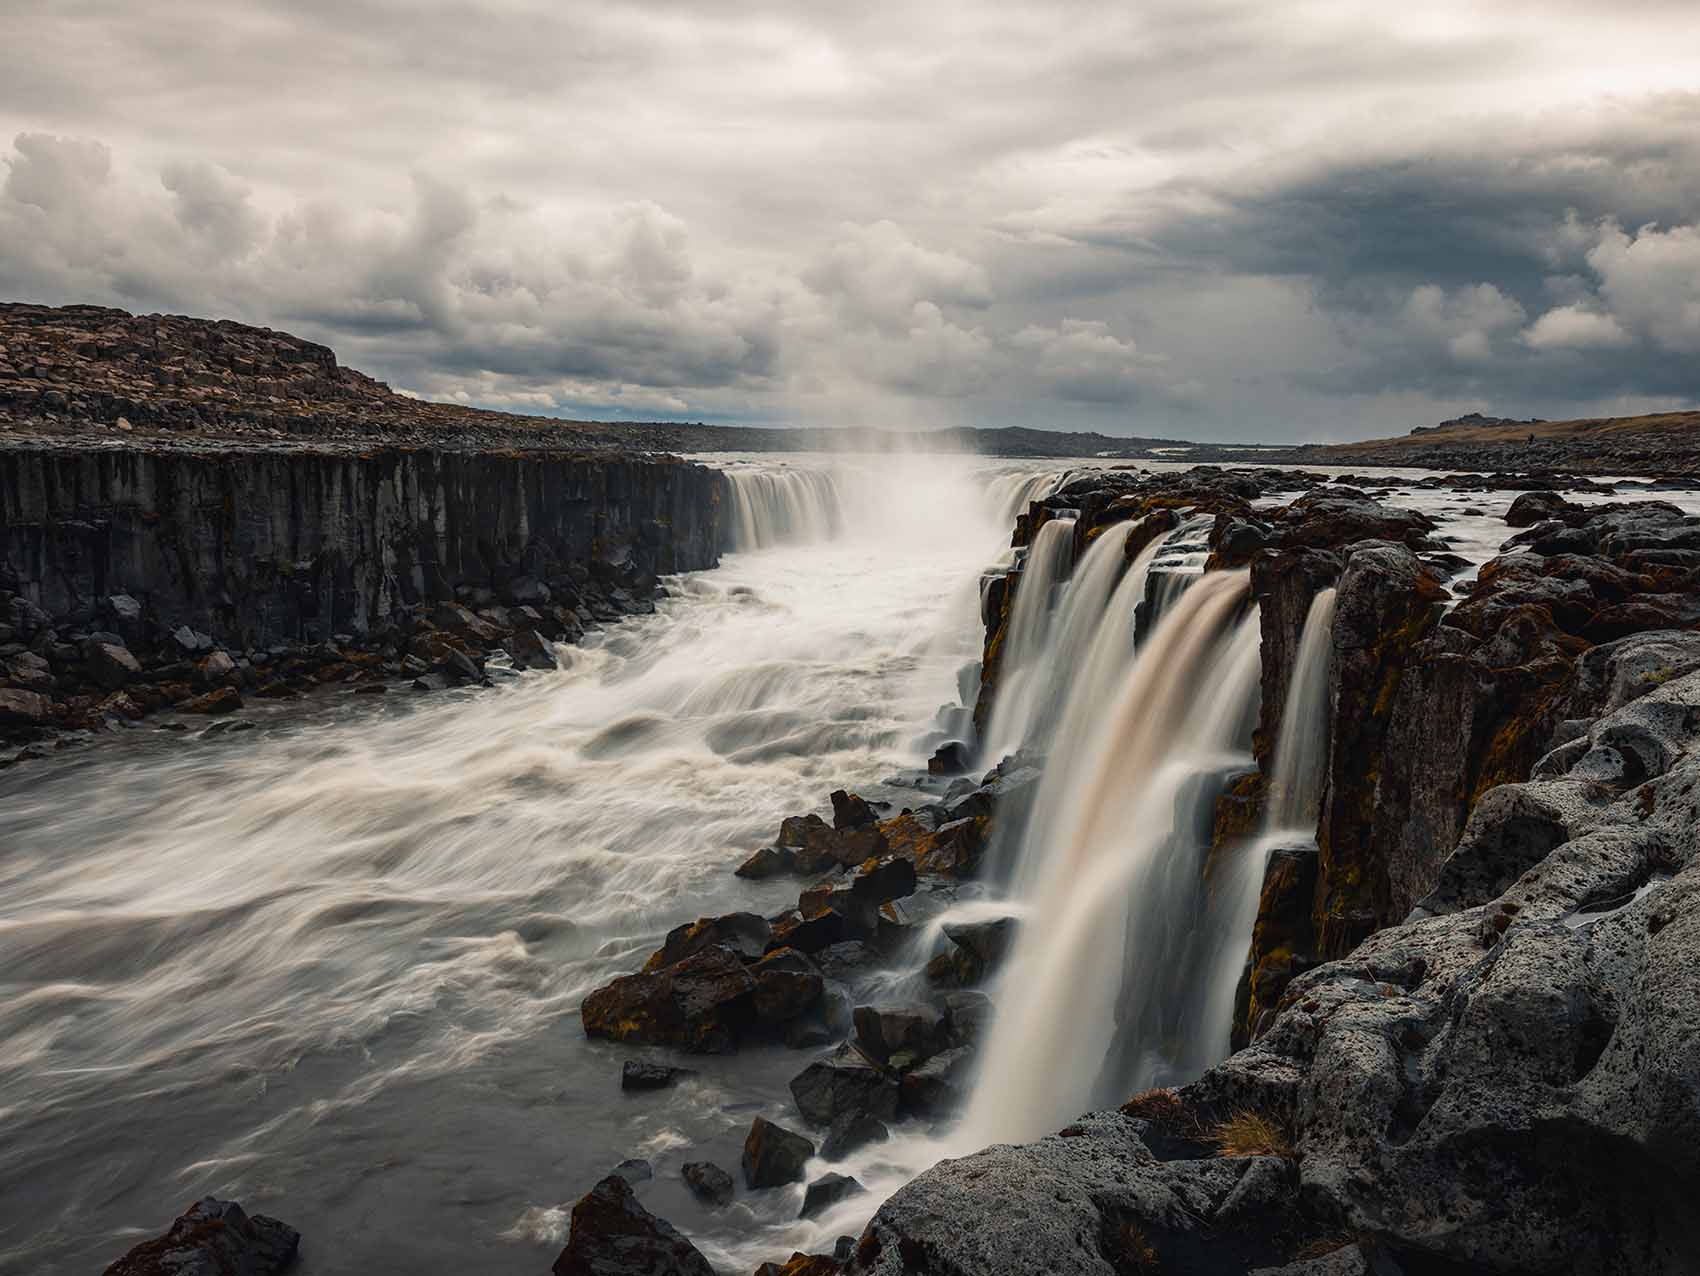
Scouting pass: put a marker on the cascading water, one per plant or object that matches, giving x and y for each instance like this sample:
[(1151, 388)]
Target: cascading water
[(1295, 801), (1301, 749), (1113, 863), (1047, 562), (778, 506), (1027, 705)]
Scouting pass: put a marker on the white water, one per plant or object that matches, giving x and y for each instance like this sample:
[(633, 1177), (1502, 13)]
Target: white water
[(774, 505), (1100, 880), (1047, 562), (332, 967), (1301, 749), (1033, 694)]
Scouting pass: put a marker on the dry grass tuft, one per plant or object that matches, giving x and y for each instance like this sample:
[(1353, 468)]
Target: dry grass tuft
[(1153, 1105), (1249, 1133)]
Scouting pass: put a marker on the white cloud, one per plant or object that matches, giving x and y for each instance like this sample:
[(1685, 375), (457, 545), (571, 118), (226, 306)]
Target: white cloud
[(1573, 328)]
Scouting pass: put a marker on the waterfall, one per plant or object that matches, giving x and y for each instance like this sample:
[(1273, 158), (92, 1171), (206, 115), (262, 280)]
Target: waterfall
[(1047, 562), (1010, 494), (1026, 708), (1295, 802), (782, 507), (1301, 749), (1113, 873)]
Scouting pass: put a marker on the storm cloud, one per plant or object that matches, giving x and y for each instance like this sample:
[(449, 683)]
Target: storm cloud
[(1213, 219)]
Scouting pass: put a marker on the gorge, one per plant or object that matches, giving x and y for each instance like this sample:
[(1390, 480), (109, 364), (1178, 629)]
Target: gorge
[(1224, 870)]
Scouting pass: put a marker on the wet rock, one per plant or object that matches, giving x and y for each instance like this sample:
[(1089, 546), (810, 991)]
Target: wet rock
[(24, 708), (214, 1238), (613, 1235), (635, 1074), (635, 1171), (830, 1089), (745, 934), (1538, 507), (215, 669), (800, 1264), (1283, 941), (530, 650), (850, 1132), (939, 1085), (900, 1035), (846, 960), (709, 1183), (787, 984), (826, 1191), (967, 1016), (951, 758), (770, 861), (824, 928), (223, 700), (111, 666), (27, 671), (982, 946), (700, 1005), (882, 880), (773, 1155), (851, 812), (808, 832), (1090, 1201), (189, 641)]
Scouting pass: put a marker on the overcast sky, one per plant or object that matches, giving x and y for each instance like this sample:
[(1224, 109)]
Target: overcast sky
[(1192, 218)]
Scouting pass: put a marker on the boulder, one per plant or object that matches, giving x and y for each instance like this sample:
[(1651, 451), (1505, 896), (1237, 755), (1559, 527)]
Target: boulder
[(832, 1088), (770, 861), (635, 1171), (613, 1235), (979, 946), (900, 1035), (786, 985), (215, 669), (773, 1155), (826, 1191), (463, 624), (801, 1264), (851, 1131), (110, 665), (530, 650), (701, 1004), (223, 700), (744, 934), (638, 1075), (950, 758), (851, 812), (24, 708), (709, 1183), (214, 1238), (939, 1085), (878, 881)]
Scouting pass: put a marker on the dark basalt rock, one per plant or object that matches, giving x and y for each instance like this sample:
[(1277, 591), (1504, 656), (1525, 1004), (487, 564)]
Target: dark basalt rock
[(904, 1034), (701, 1004), (214, 1238), (831, 1089), (745, 934), (638, 1075), (828, 1190), (635, 1171), (773, 1155), (851, 1131), (851, 812), (770, 861), (709, 1183), (786, 985), (613, 1235), (800, 1264), (531, 651)]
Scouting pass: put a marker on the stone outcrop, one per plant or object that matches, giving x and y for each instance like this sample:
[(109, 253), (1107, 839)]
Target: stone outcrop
[(214, 1238), (613, 1235)]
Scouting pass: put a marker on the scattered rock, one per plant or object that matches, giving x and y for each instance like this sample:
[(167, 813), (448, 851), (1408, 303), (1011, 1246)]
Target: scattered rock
[(709, 1183), (224, 700), (773, 1155), (830, 1089), (827, 1191), (214, 1238), (635, 1074), (613, 1235)]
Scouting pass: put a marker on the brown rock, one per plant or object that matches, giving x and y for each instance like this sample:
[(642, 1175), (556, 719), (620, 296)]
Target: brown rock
[(224, 700)]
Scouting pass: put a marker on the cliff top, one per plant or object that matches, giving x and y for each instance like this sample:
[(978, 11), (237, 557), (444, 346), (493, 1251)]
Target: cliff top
[(86, 375)]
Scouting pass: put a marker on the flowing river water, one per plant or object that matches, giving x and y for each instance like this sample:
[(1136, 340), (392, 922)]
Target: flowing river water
[(331, 967)]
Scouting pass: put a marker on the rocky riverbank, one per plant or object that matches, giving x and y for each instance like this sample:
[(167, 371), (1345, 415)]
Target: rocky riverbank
[(1473, 971)]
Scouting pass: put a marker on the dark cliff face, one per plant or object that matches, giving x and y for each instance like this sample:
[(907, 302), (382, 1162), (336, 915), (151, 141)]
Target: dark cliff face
[(256, 546)]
